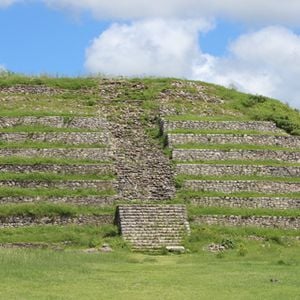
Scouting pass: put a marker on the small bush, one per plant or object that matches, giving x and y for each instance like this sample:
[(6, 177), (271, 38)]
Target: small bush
[(228, 244), (276, 239), (252, 100)]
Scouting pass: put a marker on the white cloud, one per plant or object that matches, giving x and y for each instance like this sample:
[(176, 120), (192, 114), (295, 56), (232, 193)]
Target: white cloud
[(274, 11), (264, 62), (5, 3), (152, 47)]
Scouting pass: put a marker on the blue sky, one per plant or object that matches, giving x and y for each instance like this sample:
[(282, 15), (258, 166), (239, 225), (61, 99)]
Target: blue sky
[(35, 39), (254, 47)]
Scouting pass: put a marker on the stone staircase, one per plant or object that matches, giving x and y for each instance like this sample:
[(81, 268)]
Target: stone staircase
[(152, 227)]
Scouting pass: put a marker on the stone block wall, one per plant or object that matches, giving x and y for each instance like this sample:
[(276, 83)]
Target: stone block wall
[(100, 154), (71, 138), (90, 123), (96, 169), (237, 170), (221, 139), (21, 221), (205, 154), (220, 125), (232, 186), (70, 184), (254, 221), (236, 202), (77, 200)]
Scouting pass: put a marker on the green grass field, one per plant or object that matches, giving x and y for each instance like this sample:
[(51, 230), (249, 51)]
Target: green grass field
[(261, 268)]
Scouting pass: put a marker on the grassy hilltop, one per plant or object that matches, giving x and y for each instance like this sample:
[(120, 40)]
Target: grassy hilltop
[(257, 263), (84, 95)]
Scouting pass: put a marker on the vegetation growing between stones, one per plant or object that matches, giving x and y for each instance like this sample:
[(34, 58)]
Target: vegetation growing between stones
[(47, 161), (216, 131), (187, 195), (181, 178), (48, 209), (29, 129), (54, 177), (228, 147), (52, 192), (46, 145)]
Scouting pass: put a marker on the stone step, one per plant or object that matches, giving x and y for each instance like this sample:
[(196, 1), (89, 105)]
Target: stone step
[(70, 138), (100, 154), (221, 125), (205, 154), (152, 236), (54, 121), (242, 170), (252, 221), (222, 139), (152, 226), (232, 186), (87, 200), (239, 202), (97, 169), (70, 184)]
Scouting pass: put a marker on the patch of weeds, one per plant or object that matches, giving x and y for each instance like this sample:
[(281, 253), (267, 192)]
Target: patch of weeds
[(242, 250), (93, 243), (276, 239), (253, 100), (228, 244), (112, 232), (163, 251), (91, 103)]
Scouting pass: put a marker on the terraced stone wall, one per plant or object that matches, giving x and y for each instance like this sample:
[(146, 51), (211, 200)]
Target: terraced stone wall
[(266, 140), (60, 169), (21, 221), (82, 153), (236, 170), (91, 123), (205, 154), (254, 221), (233, 186), (236, 202), (77, 200), (221, 125), (71, 138)]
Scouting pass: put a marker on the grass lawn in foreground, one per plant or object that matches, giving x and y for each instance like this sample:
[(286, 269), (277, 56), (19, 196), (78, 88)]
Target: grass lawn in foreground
[(45, 274), (262, 264)]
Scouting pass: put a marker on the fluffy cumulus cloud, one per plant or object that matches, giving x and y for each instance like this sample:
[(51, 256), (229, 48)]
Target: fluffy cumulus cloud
[(264, 62), (275, 11), (152, 47)]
